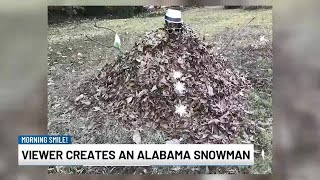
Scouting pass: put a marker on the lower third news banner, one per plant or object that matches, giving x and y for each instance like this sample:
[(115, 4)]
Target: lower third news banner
[(52, 150)]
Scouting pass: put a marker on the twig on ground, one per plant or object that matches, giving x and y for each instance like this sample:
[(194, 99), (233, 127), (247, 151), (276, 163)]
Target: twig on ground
[(234, 36), (95, 25), (100, 43)]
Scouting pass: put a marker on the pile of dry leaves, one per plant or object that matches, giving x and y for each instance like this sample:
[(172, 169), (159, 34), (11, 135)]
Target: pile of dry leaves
[(174, 83)]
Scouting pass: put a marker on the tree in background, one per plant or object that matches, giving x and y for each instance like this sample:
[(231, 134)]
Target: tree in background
[(115, 11)]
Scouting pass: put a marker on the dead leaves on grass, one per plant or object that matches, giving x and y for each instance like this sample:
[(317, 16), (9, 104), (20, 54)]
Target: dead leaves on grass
[(171, 82), (136, 137)]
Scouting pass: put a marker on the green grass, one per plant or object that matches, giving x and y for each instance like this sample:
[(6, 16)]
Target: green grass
[(205, 21), (262, 114), (218, 20), (261, 105)]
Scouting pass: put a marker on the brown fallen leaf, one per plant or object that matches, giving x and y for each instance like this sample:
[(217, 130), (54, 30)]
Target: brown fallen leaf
[(143, 92), (136, 137), (165, 126), (154, 88), (214, 121), (79, 97), (129, 99), (207, 170), (86, 102), (173, 141), (210, 90)]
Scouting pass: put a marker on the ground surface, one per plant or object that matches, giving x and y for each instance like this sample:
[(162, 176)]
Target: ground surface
[(72, 57)]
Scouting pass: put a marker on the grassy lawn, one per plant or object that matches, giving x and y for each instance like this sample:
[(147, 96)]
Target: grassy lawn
[(72, 58)]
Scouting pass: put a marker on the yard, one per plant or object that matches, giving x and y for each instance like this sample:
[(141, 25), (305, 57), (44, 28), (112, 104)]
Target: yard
[(72, 57)]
